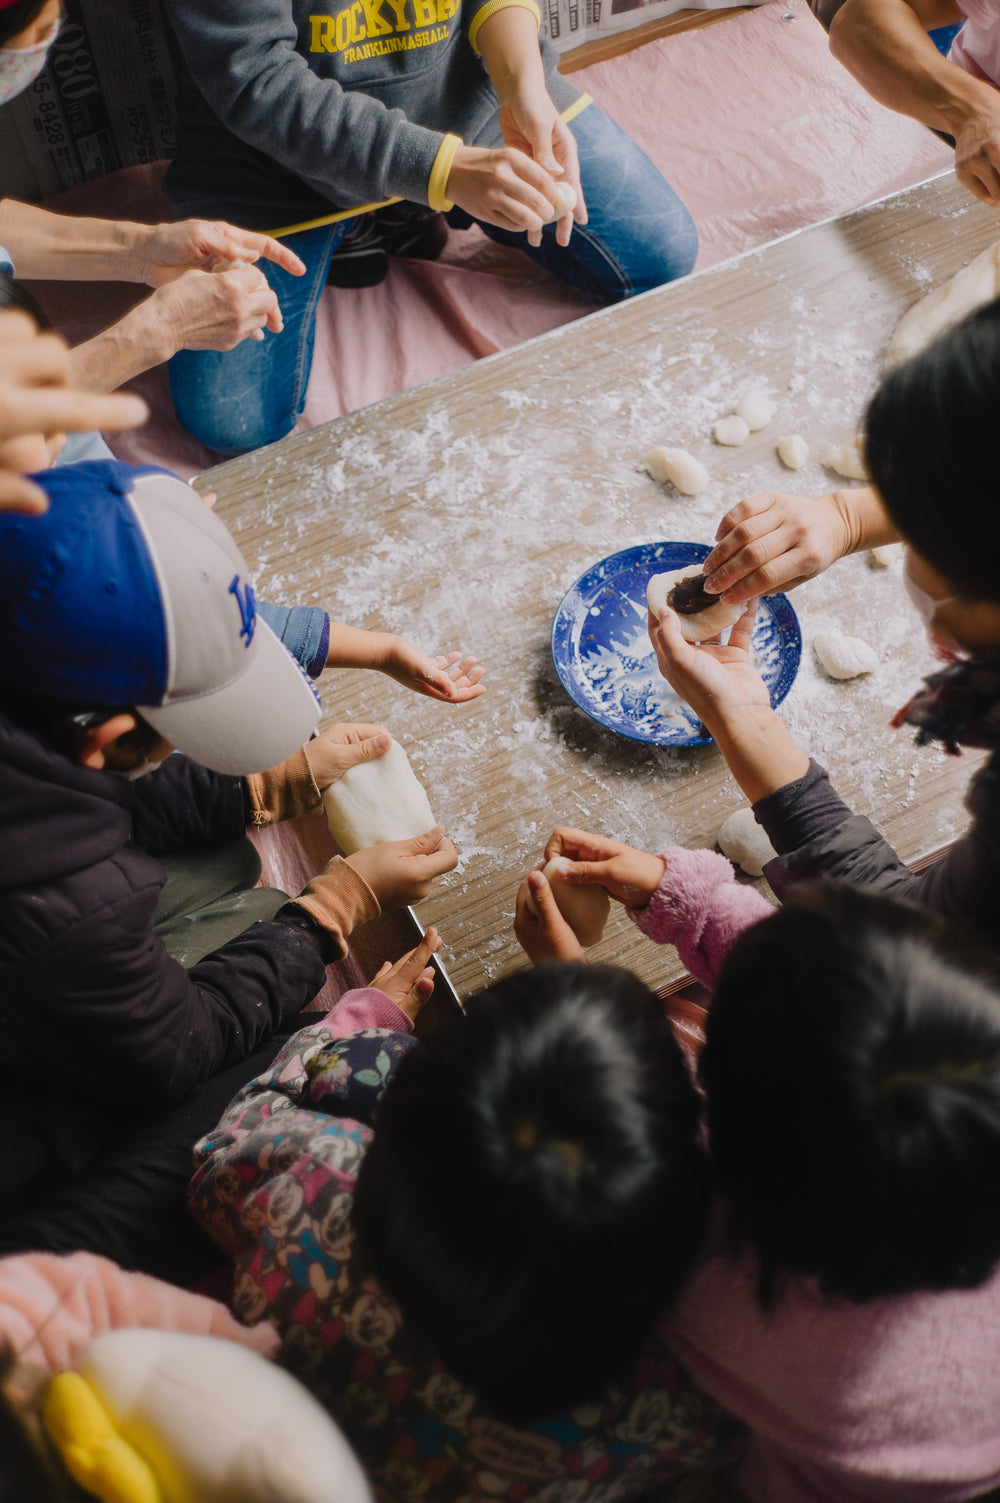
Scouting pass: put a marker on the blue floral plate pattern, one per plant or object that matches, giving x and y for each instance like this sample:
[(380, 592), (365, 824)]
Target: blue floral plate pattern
[(604, 660)]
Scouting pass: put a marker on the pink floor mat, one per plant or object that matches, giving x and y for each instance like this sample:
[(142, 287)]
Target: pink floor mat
[(758, 129)]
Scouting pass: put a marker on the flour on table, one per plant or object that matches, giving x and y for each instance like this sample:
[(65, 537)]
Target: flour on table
[(375, 801), (846, 460), (970, 288), (584, 906), (844, 657), (756, 410), (685, 472), (731, 431), (793, 451), (741, 838), (701, 626)]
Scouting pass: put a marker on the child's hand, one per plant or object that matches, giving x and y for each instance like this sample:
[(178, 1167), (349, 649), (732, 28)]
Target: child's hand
[(715, 681), (630, 876), (545, 934), (449, 677), (410, 982), (401, 871), (339, 747)]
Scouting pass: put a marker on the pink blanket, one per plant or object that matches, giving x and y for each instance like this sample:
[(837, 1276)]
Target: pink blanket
[(759, 130)]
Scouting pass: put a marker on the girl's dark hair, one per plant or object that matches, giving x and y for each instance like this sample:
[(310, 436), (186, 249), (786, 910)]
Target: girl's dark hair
[(536, 1189), (18, 17), (930, 448), (852, 1072), (13, 295)]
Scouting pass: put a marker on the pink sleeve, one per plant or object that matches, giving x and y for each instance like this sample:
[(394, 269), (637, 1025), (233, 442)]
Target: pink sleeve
[(52, 1306), (366, 1007), (701, 908)]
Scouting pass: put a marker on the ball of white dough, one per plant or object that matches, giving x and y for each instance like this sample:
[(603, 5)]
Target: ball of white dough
[(685, 472), (565, 201), (741, 838), (793, 451), (584, 906), (846, 460), (731, 431), (375, 801), (842, 656), (700, 626), (755, 410), (882, 556)]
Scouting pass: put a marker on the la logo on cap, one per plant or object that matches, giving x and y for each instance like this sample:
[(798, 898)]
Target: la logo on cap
[(248, 607)]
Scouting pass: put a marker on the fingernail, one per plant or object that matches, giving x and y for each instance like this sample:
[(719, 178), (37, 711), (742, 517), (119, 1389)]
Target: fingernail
[(382, 741)]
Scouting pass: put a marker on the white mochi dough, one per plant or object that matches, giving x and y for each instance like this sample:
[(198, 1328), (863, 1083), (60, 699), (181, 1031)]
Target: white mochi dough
[(375, 801), (755, 410), (970, 288), (793, 451), (685, 472), (844, 657), (882, 556), (846, 460), (741, 838), (703, 624), (731, 431), (565, 197), (585, 907)]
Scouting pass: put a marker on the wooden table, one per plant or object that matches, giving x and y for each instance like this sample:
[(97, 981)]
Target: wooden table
[(458, 514)]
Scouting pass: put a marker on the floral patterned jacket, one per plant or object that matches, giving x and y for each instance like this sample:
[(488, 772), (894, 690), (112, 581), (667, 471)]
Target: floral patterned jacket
[(274, 1187)]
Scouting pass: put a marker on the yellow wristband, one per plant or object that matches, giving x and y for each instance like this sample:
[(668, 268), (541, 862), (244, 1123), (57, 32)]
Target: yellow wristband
[(436, 196)]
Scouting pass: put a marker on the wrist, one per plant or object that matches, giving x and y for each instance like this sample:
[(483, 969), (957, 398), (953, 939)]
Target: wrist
[(137, 258), (759, 750), (862, 520), (353, 647)]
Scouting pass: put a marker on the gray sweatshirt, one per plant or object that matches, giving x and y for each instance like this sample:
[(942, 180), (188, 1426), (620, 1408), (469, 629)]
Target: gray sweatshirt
[(288, 113)]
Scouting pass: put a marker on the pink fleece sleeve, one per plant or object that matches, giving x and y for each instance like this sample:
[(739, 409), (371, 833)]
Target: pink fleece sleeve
[(701, 908), (52, 1306), (366, 1007)]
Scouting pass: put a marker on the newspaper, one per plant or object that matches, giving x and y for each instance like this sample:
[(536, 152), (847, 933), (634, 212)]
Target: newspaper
[(106, 100)]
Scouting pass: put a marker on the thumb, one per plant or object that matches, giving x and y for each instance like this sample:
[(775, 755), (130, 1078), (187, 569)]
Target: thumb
[(542, 897), (368, 749), (423, 845)]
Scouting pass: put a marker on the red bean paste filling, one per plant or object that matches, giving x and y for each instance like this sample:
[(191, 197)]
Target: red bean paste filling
[(689, 596)]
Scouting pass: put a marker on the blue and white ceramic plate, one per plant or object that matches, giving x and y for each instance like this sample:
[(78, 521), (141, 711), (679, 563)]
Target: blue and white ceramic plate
[(603, 656)]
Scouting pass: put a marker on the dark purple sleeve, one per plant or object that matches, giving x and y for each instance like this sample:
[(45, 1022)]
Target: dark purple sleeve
[(816, 835)]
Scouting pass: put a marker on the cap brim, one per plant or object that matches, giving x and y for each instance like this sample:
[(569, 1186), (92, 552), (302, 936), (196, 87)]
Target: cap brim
[(251, 724)]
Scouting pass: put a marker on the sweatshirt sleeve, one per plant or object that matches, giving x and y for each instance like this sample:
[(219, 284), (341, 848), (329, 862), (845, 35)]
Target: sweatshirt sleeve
[(816, 835), (701, 908), (181, 806), (347, 145), (52, 1306)]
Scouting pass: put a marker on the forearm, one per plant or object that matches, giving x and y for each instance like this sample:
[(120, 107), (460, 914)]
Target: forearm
[(351, 647), (136, 343), (885, 45), (62, 247), (759, 751), (508, 44), (866, 521)]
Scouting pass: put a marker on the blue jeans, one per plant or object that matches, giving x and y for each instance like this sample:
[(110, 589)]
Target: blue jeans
[(639, 235)]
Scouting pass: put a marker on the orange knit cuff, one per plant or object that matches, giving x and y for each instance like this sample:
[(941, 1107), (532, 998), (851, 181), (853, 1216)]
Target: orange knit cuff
[(339, 899), (283, 792)]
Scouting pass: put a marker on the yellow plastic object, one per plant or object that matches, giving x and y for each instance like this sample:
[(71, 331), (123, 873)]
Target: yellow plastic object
[(95, 1455)]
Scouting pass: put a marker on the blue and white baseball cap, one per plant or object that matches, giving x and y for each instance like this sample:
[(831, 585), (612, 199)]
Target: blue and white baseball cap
[(129, 591)]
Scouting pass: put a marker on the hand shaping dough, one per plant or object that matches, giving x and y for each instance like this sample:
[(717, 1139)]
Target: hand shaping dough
[(844, 657), (744, 842), (755, 410), (793, 451), (585, 907), (731, 431), (975, 284), (565, 197), (688, 474), (703, 624), (846, 460), (375, 801)]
